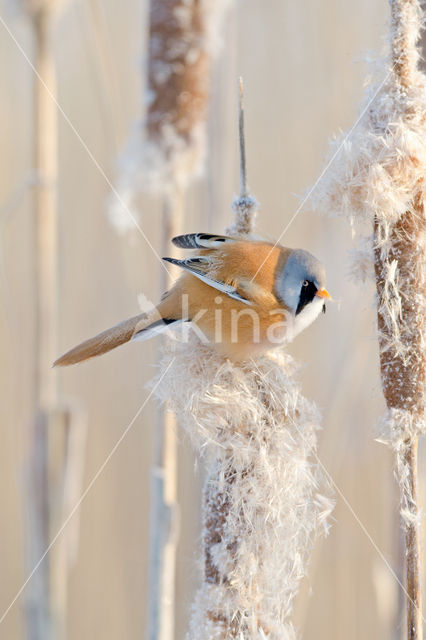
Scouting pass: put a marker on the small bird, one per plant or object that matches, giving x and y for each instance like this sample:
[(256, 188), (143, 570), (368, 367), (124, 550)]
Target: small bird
[(242, 296)]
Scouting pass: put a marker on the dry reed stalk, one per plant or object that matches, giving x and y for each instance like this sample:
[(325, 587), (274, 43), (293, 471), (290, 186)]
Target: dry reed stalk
[(179, 60), (217, 505), (178, 73), (56, 439), (262, 504), (380, 180), (402, 336), (178, 84), (38, 609), (164, 506), (183, 40), (244, 207), (403, 376)]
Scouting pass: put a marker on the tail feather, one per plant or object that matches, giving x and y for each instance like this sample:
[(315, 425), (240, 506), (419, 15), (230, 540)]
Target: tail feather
[(109, 339)]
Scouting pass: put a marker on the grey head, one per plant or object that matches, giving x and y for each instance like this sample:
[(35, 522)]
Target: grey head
[(302, 276)]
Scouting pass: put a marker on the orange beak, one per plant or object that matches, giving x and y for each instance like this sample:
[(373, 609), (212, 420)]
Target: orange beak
[(323, 293)]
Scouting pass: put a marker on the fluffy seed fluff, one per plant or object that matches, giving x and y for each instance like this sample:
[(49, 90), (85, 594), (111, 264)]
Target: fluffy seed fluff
[(264, 494), (396, 428), (169, 152), (378, 181), (245, 209)]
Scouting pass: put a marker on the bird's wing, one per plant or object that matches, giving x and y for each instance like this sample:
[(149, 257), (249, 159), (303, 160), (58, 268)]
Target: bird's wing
[(202, 267), (201, 241)]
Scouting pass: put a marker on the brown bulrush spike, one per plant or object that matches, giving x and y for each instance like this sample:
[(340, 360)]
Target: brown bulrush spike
[(262, 502), (379, 178), (178, 69)]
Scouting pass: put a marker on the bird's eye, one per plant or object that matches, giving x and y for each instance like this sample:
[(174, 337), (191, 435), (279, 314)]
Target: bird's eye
[(305, 283)]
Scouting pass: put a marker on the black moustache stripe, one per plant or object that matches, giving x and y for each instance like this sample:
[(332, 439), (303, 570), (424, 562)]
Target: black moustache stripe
[(307, 294)]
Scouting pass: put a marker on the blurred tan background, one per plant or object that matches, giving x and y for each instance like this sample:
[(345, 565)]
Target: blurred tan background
[(303, 65)]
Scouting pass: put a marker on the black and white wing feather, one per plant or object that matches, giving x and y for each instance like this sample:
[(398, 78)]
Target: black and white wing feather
[(200, 266), (201, 241)]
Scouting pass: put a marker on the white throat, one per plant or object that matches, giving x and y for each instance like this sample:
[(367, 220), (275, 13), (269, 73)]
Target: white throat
[(308, 314)]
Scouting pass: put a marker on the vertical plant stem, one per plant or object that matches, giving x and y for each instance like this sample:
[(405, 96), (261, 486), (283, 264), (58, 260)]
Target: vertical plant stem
[(242, 141), (162, 560), (179, 82), (216, 490), (398, 245), (52, 474), (382, 178), (257, 536), (38, 601), (45, 152), (164, 507), (413, 549), (245, 206), (215, 503), (402, 381)]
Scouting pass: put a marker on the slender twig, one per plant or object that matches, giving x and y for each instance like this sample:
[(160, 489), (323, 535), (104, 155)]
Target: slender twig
[(245, 206), (38, 610), (164, 507), (413, 550), (243, 163)]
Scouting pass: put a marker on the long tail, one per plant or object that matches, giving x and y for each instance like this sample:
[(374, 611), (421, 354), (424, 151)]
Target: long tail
[(142, 325)]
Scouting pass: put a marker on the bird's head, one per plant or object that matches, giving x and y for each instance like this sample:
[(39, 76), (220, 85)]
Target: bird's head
[(300, 285)]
